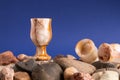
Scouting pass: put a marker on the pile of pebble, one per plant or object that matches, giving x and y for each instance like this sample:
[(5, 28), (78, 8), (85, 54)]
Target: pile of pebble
[(25, 67)]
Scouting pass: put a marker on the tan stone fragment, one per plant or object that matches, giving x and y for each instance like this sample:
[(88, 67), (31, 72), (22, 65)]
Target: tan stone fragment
[(7, 57), (22, 76)]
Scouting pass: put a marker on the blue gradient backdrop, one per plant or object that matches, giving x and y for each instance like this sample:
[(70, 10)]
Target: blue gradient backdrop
[(72, 20)]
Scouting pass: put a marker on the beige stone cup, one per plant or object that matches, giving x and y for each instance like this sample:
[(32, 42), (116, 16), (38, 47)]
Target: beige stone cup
[(41, 35), (86, 50)]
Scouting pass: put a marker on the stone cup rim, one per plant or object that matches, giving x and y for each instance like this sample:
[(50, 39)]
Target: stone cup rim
[(41, 18)]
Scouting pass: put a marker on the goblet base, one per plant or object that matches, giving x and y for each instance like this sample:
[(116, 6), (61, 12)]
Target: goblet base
[(41, 54), (43, 57)]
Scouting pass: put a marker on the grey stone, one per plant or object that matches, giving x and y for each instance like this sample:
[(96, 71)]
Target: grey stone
[(47, 71), (100, 65), (79, 65), (27, 66)]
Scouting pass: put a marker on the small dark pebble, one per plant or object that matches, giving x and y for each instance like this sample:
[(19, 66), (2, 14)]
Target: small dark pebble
[(100, 65)]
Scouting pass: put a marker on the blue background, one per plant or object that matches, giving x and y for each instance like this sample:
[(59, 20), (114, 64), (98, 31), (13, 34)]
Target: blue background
[(72, 20)]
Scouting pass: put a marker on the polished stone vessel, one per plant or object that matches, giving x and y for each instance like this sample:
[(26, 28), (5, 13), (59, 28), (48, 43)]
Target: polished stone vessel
[(41, 35)]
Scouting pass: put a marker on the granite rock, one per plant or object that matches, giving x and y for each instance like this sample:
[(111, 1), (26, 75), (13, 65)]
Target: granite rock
[(10, 66), (7, 73)]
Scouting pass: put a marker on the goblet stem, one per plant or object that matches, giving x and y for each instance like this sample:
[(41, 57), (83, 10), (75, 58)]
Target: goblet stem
[(41, 53)]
